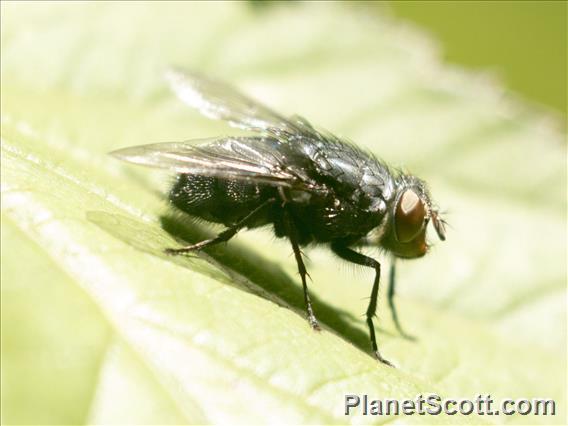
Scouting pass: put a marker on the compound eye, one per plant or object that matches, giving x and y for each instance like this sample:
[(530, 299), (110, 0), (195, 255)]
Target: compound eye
[(409, 217)]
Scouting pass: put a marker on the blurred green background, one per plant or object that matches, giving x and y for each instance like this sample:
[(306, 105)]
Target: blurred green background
[(523, 42)]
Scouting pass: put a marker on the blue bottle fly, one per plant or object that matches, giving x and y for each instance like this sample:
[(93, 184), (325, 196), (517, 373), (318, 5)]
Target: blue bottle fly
[(309, 185)]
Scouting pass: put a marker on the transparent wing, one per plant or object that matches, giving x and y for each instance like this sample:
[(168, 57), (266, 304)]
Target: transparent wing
[(218, 100), (245, 158)]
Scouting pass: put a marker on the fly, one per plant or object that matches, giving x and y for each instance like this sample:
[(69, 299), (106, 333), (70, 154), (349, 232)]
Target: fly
[(311, 186)]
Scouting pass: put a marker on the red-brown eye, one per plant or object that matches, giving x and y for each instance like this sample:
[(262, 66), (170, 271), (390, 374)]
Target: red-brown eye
[(409, 216)]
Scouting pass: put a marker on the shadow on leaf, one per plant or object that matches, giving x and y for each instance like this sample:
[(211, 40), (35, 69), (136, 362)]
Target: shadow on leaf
[(232, 264)]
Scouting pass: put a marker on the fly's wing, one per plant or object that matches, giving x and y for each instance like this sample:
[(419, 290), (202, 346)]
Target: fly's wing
[(221, 101), (243, 158)]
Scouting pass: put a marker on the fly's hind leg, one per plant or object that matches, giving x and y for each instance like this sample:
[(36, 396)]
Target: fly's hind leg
[(293, 235), (224, 236)]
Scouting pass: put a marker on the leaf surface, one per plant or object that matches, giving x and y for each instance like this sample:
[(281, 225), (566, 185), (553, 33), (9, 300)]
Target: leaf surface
[(99, 326)]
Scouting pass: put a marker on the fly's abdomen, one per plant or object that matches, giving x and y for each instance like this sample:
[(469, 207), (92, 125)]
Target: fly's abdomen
[(219, 200)]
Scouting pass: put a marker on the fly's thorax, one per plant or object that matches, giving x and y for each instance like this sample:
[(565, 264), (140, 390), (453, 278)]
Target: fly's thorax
[(378, 186), (376, 235)]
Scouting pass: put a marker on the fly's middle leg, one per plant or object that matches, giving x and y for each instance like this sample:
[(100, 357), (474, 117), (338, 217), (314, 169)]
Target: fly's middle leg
[(293, 235)]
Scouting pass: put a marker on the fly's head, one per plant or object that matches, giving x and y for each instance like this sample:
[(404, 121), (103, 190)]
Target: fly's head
[(409, 215)]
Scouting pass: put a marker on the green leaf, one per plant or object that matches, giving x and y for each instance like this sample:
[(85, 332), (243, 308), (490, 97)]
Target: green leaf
[(99, 326)]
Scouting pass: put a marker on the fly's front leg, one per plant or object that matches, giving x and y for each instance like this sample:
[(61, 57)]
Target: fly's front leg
[(392, 281), (293, 235), (226, 235), (360, 259)]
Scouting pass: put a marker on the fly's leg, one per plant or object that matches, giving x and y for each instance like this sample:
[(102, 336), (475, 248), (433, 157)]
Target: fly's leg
[(226, 235), (392, 280), (360, 259), (293, 234)]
